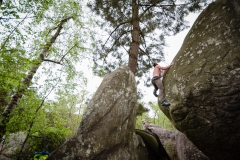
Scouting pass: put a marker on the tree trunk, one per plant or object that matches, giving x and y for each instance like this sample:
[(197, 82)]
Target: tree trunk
[(4, 119), (133, 53)]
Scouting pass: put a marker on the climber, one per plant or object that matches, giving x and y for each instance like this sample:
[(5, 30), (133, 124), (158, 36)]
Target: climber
[(158, 73)]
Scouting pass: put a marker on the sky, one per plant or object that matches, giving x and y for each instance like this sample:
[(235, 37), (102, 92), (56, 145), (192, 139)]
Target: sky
[(174, 44)]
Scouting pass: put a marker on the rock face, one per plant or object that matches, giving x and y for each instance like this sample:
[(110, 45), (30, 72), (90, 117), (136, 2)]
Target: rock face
[(203, 85), (12, 145), (176, 144), (106, 130)]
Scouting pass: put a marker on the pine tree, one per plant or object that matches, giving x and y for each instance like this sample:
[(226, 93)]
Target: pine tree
[(136, 31)]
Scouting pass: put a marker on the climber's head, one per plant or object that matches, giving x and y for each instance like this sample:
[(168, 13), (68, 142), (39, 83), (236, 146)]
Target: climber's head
[(154, 64)]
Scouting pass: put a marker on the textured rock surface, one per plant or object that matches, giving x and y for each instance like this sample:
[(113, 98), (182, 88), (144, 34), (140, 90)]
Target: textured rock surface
[(106, 130), (12, 145), (204, 83), (176, 144)]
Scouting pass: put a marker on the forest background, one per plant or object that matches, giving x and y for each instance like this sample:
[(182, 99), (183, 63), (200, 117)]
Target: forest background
[(50, 67)]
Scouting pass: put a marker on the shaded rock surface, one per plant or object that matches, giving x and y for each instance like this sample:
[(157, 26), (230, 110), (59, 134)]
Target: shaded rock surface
[(203, 85), (106, 130), (178, 146), (9, 147)]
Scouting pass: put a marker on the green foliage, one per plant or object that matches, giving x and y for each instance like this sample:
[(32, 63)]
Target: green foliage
[(50, 123), (159, 118), (47, 139), (26, 27), (154, 116), (139, 119), (141, 109), (3, 100), (70, 107), (32, 118)]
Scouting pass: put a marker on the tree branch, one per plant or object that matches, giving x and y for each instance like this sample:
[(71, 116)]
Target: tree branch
[(67, 53), (116, 29), (11, 18), (146, 53), (59, 62), (149, 7), (165, 5), (54, 37), (4, 43), (49, 60)]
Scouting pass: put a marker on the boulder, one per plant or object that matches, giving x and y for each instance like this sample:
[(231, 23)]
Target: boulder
[(177, 145), (107, 128), (203, 85), (11, 145)]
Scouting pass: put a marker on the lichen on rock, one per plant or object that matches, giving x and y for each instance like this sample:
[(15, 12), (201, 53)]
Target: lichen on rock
[(107, 128), (203, 84)]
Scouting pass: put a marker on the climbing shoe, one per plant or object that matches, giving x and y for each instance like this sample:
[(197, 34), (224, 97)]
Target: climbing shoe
[(165, 103), (155, 94)]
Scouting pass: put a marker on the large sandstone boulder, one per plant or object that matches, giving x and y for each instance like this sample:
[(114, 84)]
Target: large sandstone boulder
[(107, 128), (203, 85)]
